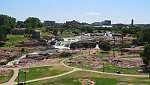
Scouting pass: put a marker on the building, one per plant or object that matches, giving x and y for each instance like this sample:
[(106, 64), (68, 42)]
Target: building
[(106, 22), (49, 23), (103, 23), (97, 24), (132, 22)]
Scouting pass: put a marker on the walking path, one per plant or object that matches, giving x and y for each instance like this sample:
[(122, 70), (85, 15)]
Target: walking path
[(16, 70), (115, 74), (45, 78), (13, 78)]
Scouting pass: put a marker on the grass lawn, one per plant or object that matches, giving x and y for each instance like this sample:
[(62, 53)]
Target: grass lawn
[(13, 40), (113, 69), (40, 72), (100, 79), (6, 77), (103, 54), (67, 34), (44, 33)]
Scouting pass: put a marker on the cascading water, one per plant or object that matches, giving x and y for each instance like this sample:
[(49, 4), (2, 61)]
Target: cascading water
[(66, 43), (97, 46)]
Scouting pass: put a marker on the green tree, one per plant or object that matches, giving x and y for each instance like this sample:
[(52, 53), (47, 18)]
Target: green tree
[(61, 30), (3, 33), (146, 58), (7, 22), (89, 29), (146, 55), (72, 24), (55, 32), (20, 24), (33, 22), (144, 36), (105, 46)]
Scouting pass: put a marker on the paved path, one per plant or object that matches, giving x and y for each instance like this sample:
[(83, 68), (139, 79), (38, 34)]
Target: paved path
[(115, 74), (13, 78), (46, 78)]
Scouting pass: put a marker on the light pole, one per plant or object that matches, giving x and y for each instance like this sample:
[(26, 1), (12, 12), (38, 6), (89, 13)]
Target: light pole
[(103, 66)]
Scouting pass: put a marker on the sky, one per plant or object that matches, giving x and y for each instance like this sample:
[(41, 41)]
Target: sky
[(119, 11)]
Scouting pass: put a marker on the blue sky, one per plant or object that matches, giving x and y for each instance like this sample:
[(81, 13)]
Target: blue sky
[(119, 11)]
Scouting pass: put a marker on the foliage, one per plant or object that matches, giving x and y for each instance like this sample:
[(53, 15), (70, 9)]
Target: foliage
[(3, 33), (144, 36), (87, 29), (65, 54), (13, 40), (130, 30), (81, 44), (20, 24), (105, 46), (33, 22), (146, 55), (72, 24), (7, 21)]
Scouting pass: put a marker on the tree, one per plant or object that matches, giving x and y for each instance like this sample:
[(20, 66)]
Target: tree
[(55, 32), (20, 24), (105, 46), (144, 36), (3, 33), (72, 24), (89, 29), (146, 58), (61, 30), (146, 55), (65, 54), (33, 22), (7, 22)]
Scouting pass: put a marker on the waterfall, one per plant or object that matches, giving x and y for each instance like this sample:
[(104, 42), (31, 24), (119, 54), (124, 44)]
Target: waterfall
[(97, 46), (66, 43)]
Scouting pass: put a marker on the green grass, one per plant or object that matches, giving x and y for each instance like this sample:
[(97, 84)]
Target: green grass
[(6, 77), (103, 54), (67, 34), (100, 79), (13, 40), (44, 33), (113, 69), (40, 72)]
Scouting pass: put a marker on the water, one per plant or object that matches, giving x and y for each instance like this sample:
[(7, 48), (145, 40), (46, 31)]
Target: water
[(66, 43)]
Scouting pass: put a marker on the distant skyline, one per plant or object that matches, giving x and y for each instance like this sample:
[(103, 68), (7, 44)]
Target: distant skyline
[(119, 11)]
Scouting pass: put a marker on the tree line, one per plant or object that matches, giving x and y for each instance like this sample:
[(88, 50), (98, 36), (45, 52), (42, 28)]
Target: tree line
[(7, 23)]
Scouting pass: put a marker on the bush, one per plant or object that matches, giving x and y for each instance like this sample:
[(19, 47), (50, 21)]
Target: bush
[(65, 55), (144, 36), (105, 46)]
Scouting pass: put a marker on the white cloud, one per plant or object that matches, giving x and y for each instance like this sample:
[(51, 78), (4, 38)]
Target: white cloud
[(93, 13)]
